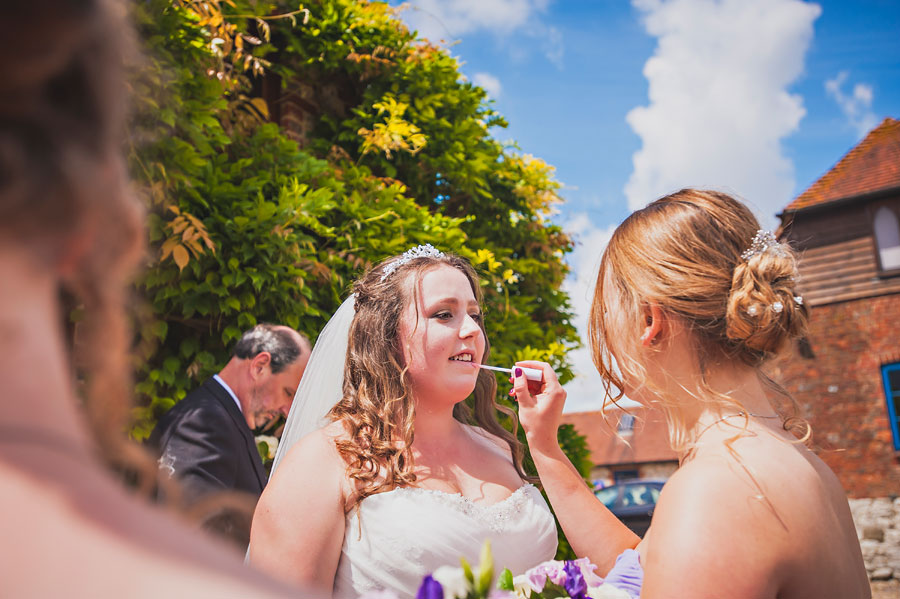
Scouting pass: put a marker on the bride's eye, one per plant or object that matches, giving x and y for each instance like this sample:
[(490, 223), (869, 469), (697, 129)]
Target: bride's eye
[(443, 315), (476, 316)]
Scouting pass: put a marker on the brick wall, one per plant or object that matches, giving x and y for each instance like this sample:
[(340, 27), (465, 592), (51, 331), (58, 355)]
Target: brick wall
[(841, 394)]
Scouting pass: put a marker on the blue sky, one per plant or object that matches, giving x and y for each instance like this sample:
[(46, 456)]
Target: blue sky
[(631, 100)]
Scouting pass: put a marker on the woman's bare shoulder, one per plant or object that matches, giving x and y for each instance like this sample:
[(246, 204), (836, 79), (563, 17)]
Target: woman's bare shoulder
[(314, 457)]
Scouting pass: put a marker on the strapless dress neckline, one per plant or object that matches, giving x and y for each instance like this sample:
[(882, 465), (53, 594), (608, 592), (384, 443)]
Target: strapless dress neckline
[(403, 534)]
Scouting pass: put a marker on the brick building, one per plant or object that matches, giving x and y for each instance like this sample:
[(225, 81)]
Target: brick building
[(846, 375), (632, 444)]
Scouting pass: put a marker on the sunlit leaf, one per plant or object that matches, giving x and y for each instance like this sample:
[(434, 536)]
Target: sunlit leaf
[(180, 255)]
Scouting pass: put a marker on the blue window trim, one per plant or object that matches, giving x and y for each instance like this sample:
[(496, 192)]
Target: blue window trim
[(889, 398)]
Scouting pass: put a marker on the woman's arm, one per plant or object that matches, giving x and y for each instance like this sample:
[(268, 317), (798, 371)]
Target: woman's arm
[(298, 526), (591, 529)]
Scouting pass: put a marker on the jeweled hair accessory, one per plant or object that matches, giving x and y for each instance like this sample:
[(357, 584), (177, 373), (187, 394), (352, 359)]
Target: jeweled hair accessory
[(777, 307), (420, 251), (763, 241)]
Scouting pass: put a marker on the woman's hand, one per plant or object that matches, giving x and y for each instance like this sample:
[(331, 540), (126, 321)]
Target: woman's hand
[(540, 404), (591, 529)]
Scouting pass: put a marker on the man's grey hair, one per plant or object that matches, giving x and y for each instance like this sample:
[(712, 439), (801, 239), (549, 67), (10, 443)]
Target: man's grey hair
[(282, 343)]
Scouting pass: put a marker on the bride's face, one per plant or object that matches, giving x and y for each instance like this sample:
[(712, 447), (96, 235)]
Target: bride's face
[(441, 336)]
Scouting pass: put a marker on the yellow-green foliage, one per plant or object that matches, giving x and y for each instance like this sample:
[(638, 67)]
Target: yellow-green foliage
[(245, 226)]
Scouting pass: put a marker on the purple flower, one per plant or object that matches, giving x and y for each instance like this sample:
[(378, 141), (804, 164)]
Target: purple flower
[(430, 589), (537, 576), (587, 570), (575, 585)]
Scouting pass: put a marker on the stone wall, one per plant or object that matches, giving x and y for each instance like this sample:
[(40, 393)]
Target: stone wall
[(878, 526)]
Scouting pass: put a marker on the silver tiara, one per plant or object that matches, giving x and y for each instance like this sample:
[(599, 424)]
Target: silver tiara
[(764, 241), (420, 251)]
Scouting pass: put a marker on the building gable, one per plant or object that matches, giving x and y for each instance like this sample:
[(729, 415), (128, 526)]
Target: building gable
[(870, 167)]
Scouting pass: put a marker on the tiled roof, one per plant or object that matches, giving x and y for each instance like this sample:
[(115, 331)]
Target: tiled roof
[(873, 165), (649, 442)]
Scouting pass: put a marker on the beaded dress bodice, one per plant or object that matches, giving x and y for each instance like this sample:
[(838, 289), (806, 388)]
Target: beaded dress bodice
[(404, 534)]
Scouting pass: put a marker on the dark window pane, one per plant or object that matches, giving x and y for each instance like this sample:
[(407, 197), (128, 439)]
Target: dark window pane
[(894, 380), (623, 475)]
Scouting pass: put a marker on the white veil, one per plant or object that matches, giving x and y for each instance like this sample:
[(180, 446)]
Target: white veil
[(322, 383)]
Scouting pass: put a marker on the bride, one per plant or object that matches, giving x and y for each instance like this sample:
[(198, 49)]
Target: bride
[(404, 478)]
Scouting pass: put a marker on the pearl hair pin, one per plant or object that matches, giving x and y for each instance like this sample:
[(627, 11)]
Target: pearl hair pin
[(777, 307)]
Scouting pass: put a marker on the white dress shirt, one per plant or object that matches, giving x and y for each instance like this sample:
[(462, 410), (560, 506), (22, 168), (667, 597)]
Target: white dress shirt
[(230, 392)]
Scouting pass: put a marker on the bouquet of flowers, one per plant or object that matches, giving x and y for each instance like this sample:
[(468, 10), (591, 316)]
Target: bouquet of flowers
[(557, 579), (573, 579)]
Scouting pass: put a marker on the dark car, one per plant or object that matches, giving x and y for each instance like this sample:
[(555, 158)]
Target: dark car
[(632, 501)]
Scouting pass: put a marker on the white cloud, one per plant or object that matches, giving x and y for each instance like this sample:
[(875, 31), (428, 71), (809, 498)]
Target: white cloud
[(551, 43), (584, 391), (490, 84), (448, 20), (445, 19), (856, 107), (719, 104)]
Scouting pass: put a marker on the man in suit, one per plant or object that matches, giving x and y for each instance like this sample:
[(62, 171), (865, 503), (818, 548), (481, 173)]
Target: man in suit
[(206, 441)]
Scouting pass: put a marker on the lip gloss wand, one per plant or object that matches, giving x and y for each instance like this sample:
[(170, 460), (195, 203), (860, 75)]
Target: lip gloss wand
[(532, 374)]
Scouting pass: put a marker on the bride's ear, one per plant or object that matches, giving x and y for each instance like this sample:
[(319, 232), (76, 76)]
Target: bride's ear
[(654, 323)]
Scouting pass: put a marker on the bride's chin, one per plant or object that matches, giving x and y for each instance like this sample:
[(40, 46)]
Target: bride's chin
[(457, 394)]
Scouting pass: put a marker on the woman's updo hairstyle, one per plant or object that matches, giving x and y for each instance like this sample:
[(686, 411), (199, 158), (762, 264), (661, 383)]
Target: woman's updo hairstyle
[(699, 255), (764, 310)]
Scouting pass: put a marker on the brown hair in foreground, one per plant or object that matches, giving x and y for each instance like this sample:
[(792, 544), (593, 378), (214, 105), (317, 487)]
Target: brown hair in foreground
[(64, 195), (683, 253), (377, 404)]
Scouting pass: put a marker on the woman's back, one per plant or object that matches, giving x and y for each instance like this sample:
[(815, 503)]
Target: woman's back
[(826, 548), (770, 519)]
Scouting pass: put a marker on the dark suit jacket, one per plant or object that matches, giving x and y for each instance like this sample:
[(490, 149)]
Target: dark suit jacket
[(206, 444)]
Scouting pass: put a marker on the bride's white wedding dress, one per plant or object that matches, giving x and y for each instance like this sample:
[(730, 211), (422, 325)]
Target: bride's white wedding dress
[(404, 534)]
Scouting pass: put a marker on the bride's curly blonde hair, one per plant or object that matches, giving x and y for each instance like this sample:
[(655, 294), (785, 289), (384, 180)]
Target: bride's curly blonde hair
[(377, 407)]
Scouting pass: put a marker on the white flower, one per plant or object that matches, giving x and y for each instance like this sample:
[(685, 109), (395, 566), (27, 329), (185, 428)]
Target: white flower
[(453, 581), (271, 443), (521, 586)]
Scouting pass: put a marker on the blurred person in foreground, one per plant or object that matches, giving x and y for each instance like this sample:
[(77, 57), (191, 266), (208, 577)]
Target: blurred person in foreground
[(206, 441), (69, 227)]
